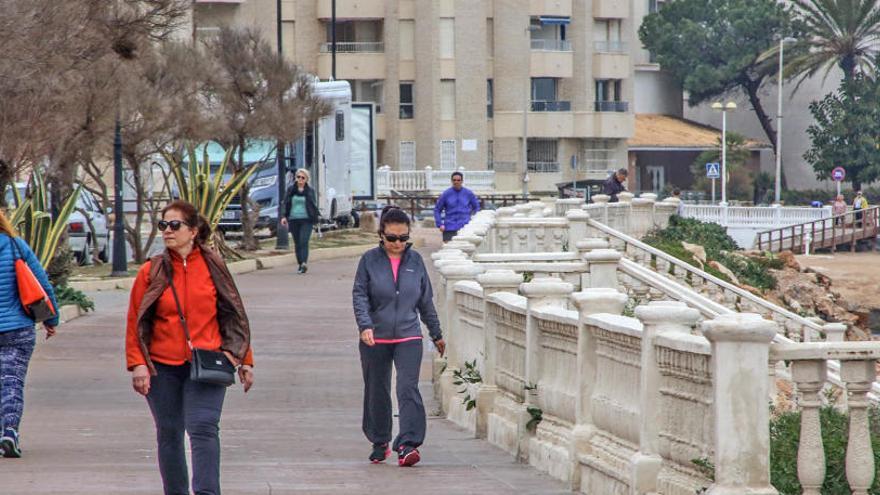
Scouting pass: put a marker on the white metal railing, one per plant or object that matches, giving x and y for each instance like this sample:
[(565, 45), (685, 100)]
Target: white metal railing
[(754, 216), (605, 46), (551, 45), (430, 180), (354, 47)]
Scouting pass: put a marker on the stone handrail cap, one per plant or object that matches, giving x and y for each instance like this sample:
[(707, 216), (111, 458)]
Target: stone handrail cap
[(642, 202), (461, 269), (445, 252), (591, 243), (546, 286), (650, 196), (600, 198), (671, 199), (569, 201), (740, 327), (546, 212), (438, 264), (577, 214), (473, 239), (588, 298), (519, 215), (505, 211), (465, 246), (625, 197), (600, 255), (667, 312), (834, 327), (500, 278)]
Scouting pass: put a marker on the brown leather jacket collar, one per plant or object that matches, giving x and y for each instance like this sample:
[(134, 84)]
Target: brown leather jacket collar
[(235, 332)]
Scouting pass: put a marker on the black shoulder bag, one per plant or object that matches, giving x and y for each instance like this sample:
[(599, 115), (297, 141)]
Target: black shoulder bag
[(205, 366)]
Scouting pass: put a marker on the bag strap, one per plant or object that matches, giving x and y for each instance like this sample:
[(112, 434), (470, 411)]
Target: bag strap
[(16, 249), (170, 274)]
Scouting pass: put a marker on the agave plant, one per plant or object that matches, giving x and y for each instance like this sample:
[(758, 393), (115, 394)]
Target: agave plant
[(204, 188), (35, 223)]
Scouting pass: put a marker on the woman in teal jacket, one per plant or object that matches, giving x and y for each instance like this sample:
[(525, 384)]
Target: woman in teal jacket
[(17, 335)]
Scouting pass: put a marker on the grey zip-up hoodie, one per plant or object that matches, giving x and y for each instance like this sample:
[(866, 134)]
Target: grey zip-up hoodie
[(392, 309)]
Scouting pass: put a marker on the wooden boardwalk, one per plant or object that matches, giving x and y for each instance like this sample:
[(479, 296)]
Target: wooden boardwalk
[(830, 233)]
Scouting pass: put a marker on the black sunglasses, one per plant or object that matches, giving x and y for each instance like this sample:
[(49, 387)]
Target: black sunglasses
[(395, 238), (300, 176), (174, 224)]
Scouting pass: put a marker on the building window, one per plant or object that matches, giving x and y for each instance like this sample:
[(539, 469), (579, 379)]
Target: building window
[(490, 97), (490, 38), (407, 155), (407, 40), (447, 37), (447, 154), (407, 105), (447, 99), (340, 125), (608, 36), (368, 91), (541, 155), (598, 156), (609, 96), (545, 97), (490, 158), (549, 34)]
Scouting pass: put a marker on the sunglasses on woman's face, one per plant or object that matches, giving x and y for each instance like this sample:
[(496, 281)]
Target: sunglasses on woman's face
[(174, 224), (303, 177), (396, 238)]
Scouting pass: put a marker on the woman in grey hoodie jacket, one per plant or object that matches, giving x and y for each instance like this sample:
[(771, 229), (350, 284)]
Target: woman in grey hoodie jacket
[(392, 294)]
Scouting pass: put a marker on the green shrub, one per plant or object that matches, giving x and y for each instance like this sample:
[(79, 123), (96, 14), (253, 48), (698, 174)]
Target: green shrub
[(711, 236), (784, 439), (68, 295)]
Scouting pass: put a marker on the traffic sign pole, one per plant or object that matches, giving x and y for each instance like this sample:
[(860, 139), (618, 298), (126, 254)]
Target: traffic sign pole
[(713, 191)]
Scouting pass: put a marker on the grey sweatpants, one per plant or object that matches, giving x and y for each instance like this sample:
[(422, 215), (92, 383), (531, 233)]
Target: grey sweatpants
[(376, 365)]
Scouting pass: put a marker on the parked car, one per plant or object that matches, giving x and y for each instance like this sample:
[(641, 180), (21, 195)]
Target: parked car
[(80, 236)]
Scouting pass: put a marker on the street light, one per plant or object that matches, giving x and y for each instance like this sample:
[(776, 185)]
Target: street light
[(724, 108), (778, 189)]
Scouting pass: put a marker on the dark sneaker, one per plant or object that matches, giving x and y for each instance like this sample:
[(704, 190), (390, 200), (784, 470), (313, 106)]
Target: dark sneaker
[(300, 269), (381, 451), (408, 456), (9, 446), (304, 268)]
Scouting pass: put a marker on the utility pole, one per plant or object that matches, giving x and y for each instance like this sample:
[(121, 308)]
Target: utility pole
[(282, 243), (333, 37)]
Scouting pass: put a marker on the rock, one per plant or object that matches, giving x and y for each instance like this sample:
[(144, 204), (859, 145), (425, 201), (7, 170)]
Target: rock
[(698, 251), (787, 257), (726, 271)]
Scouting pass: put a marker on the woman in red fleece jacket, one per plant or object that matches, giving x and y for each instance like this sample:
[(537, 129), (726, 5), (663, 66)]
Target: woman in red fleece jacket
[(158, 355)]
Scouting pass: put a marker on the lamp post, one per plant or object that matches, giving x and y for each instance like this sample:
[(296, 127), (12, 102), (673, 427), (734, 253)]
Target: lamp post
[(282, 243), (120, 263), (724, 108), (778, 189)]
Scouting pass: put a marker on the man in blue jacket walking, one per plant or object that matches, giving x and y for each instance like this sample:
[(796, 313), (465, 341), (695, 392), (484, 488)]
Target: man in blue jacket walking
[(455, 207)]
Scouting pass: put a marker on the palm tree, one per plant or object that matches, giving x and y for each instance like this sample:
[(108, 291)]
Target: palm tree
[(842, 33)]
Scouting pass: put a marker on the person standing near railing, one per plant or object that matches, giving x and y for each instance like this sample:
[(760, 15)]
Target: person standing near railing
[(614, 185), (859, 203), (455, 207), (838, 208)]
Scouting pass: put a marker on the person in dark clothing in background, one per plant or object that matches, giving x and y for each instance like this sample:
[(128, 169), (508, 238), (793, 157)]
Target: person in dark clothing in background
[(391, 294), (614, 185), (454, 207), (300, 209)]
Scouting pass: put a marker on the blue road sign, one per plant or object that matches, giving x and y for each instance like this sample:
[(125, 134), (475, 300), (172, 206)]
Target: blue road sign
[(713, 170)]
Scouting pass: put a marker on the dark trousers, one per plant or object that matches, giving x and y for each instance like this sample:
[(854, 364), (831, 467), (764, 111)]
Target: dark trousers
[(16, 347), (301, 231), (449, 234), (181, 405), (376, 365)]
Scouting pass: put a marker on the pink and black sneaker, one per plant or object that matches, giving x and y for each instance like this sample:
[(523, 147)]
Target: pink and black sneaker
[(381, 451), (408, 456)]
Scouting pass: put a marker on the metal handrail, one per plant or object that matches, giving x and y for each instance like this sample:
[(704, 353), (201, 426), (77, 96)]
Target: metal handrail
[(868, 218), (354, 47)]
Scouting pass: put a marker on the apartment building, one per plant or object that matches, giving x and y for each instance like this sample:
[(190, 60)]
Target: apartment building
[(461, 83)]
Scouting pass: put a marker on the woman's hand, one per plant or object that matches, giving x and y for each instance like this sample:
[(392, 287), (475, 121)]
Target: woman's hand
[(367, 337), (231, 358), (50, 330), (140, 379), (441, 346), (246, 376), (284, 221)]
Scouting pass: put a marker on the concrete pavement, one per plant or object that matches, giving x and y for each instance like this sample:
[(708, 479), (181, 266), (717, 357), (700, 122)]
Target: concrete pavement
[(298, 431)]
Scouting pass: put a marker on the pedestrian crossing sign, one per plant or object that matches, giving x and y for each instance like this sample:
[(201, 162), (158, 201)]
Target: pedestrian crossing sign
[(713, 170)]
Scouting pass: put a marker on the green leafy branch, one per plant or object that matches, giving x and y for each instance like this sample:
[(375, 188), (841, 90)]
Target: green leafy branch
[(469, 375)]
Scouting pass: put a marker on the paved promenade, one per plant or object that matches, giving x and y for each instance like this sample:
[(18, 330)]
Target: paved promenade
[(85, 431)]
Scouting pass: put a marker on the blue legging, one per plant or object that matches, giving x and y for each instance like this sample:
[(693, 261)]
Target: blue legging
[(16, 348), (301, 230)]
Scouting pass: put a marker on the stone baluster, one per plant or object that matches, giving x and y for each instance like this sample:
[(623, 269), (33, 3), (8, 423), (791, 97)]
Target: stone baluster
[(859, 376), (657, 317), (588, 302), (585, 246), (680, 274), (810, 376), (602, 265), (740, 353), (577, 229), (452, 273), (602, 201), (541, 293), (641, 216), (492, 281)]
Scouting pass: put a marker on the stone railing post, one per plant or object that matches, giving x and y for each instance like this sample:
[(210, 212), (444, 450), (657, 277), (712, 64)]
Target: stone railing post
[(585, 246), (452, 273), (859, 376), (834, 332), (465, 246), (429, 178), (663, 210), (492, 281), (657, 317), (540, 293), (740, 353), (602, 265), (810, 376), (577, 227), (641, 216), (601, 200), (588, 302)]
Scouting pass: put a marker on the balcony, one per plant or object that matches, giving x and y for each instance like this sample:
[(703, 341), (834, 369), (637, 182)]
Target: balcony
[(546, 62), (551, 106), (611, 106), (352, 9), (551, 45), (610, 9), (559, 8), (544, 167), (606, 46), (352, 64), (354, 47), (573, 124), (611, 66)]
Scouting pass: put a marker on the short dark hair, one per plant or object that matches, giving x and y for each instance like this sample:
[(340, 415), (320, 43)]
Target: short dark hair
[(461, 175), (622, 172), (676, 192), (392, 214)]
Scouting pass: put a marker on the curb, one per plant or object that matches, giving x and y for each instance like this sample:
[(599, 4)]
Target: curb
[(69, 312)]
